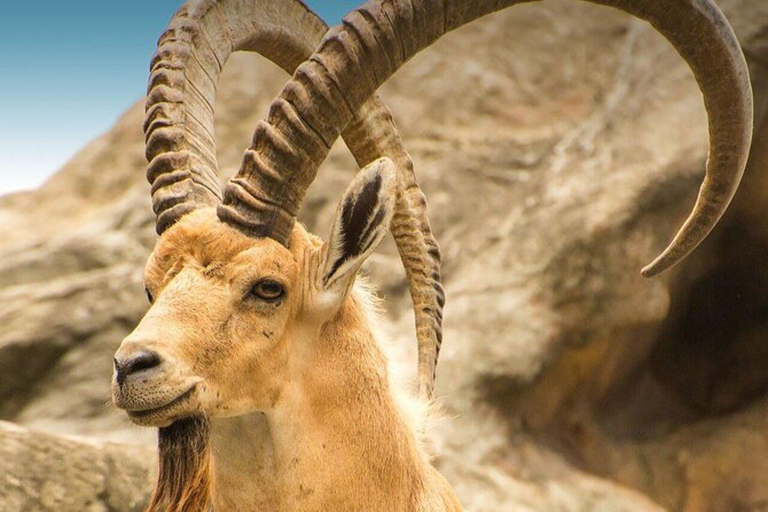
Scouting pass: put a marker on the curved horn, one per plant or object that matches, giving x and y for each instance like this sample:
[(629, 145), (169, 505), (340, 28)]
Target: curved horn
[(355, 58), (191, 53), (181, 144), (419, 250)]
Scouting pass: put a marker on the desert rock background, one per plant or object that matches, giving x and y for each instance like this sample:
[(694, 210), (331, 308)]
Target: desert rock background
[(560, 145)]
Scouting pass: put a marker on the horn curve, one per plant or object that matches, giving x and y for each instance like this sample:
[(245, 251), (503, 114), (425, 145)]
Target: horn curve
[(376, 39), (184, 72), (180, 141)]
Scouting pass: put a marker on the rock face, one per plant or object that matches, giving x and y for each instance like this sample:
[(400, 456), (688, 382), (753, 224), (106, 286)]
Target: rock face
[(560, 145), (40, 472)]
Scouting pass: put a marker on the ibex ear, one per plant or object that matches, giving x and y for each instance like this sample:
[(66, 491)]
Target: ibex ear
[(362, 219)]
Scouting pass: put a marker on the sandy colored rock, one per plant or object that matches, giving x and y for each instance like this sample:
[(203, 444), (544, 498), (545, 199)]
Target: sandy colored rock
[(40, 472)]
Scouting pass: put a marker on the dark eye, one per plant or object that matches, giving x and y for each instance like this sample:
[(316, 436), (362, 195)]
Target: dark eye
[(268, 290), (149, 295)]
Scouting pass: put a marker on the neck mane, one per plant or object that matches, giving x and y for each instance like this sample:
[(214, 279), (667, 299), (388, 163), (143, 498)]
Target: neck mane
[(336, 438)]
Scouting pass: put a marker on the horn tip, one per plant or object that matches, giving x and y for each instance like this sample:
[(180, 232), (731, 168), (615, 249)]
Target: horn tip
[(659, 265), (650, 271)]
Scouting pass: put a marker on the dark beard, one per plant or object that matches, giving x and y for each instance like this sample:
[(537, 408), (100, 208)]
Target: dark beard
[(184, 467)]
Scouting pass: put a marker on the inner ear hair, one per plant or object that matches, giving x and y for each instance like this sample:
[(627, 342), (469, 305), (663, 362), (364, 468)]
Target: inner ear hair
[(362, 220)]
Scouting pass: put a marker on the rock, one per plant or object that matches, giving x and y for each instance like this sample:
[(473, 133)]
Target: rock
[(560, 145), (40, 472)]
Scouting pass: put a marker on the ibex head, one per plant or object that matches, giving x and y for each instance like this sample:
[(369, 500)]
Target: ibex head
[(230, 311)]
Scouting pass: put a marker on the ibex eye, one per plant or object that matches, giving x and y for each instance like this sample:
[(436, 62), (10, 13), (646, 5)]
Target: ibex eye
[(149, 295), (268, 290)]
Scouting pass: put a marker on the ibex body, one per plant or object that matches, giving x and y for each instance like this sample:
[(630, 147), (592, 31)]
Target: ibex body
[(258, 359)]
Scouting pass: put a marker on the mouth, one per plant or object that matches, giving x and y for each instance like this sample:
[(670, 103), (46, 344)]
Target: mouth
[(141, 416)]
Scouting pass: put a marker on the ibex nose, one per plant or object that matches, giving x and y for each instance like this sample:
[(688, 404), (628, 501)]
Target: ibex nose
[(135, 363)]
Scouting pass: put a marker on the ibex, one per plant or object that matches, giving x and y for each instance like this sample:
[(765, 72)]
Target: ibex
[(258, 359)]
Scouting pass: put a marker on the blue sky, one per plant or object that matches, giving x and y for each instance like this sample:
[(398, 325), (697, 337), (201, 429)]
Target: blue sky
[(68, 69)]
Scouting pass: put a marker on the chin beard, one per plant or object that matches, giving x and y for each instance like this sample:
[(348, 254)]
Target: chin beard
[(184, 482)]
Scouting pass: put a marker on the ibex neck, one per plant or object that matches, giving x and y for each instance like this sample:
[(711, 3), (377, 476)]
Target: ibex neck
[(308, 457), (243, 465), (334, 440)]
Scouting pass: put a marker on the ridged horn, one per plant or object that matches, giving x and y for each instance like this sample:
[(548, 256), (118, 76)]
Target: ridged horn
[(180, 136), (418, 248), (184, 72), (375, 40)]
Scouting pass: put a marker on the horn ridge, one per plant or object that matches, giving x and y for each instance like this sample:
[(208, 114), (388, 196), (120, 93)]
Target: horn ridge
[(389, 32)]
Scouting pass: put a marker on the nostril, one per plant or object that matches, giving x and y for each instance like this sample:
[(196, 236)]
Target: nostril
[(144, 360)]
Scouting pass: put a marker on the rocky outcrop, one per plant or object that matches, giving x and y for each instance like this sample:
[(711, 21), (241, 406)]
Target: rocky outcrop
[(41, 473), (560, 144)]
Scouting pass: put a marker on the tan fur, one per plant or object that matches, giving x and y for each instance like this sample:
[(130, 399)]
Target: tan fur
[(303, 417)]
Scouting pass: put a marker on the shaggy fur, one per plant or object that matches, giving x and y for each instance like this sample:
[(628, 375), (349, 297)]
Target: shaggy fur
[(184, 467)]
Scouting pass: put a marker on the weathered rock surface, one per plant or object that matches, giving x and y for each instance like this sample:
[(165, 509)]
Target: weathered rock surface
[(41, 473), (560, 145)]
